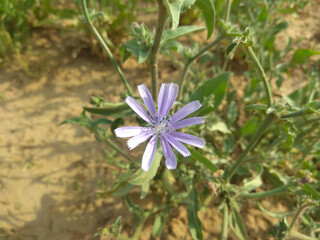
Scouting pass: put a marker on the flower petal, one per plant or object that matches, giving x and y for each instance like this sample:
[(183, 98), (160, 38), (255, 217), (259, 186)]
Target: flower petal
[(171, 161), (187, 122), (149, 154), (136, 140), (177, 145), (186, 110), (188, 139), (124, 132), (167, 96), (138, 109), (147, 99)]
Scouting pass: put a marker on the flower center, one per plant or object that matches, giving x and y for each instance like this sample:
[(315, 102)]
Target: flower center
[(160, 126)]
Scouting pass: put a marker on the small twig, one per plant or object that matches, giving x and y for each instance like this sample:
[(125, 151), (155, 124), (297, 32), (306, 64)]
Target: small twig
[(153, 57), (192, 59), (262, 74), (105, 47)]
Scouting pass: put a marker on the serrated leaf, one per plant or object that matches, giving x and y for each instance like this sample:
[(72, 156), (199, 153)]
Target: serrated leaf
[(172, 34), (199, 157), (209, 14), (216, 86), (140, 177)]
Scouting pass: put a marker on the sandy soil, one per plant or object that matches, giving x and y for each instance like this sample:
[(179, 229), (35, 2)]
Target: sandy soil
[(49, 173)]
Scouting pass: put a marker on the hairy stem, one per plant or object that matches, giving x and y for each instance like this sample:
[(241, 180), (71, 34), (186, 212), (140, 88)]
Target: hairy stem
[(192, 59), (251, 144), (297, 215), (225, 219), (104, 46), (153, 57), (263, 75)]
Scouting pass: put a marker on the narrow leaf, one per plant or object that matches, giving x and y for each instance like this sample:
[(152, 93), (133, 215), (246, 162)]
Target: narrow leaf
[(209, 13), (199, 157)]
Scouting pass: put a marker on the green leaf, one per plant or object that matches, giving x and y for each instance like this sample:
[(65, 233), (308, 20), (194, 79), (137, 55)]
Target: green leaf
[(175, 8), (199, 157), (250, 127), (251, 184), (301, 56), (255, 107), (209, 13), (178, 32), (108, 109), (238, 225), (158, 226), (219, 126), (307, 188), (144, 190), (136, 48), (232, 112), (116, 227), (140, 177), (216, 86), (194, 223)]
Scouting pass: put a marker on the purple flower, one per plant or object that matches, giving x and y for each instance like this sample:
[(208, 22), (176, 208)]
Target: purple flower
[(162, 126)]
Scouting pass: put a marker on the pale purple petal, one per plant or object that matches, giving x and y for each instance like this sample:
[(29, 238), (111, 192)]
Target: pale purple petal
[(171, 161), (136, 140), (138, 109), (167, 96), (188, 139), (187, 122), (186, 110), (149, 154), (124, 132), (147, 99), (177, 145)]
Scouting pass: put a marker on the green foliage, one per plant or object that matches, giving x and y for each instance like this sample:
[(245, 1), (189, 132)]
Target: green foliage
[(257, 145)]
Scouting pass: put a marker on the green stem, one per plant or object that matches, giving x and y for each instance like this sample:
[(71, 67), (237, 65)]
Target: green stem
[(153, 57), (269, 193), (263, 75), (104, 46), (297, 215), (138, 230), (115, 147), (192, 59), (251, 144), (229, 3), (225, 219)]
